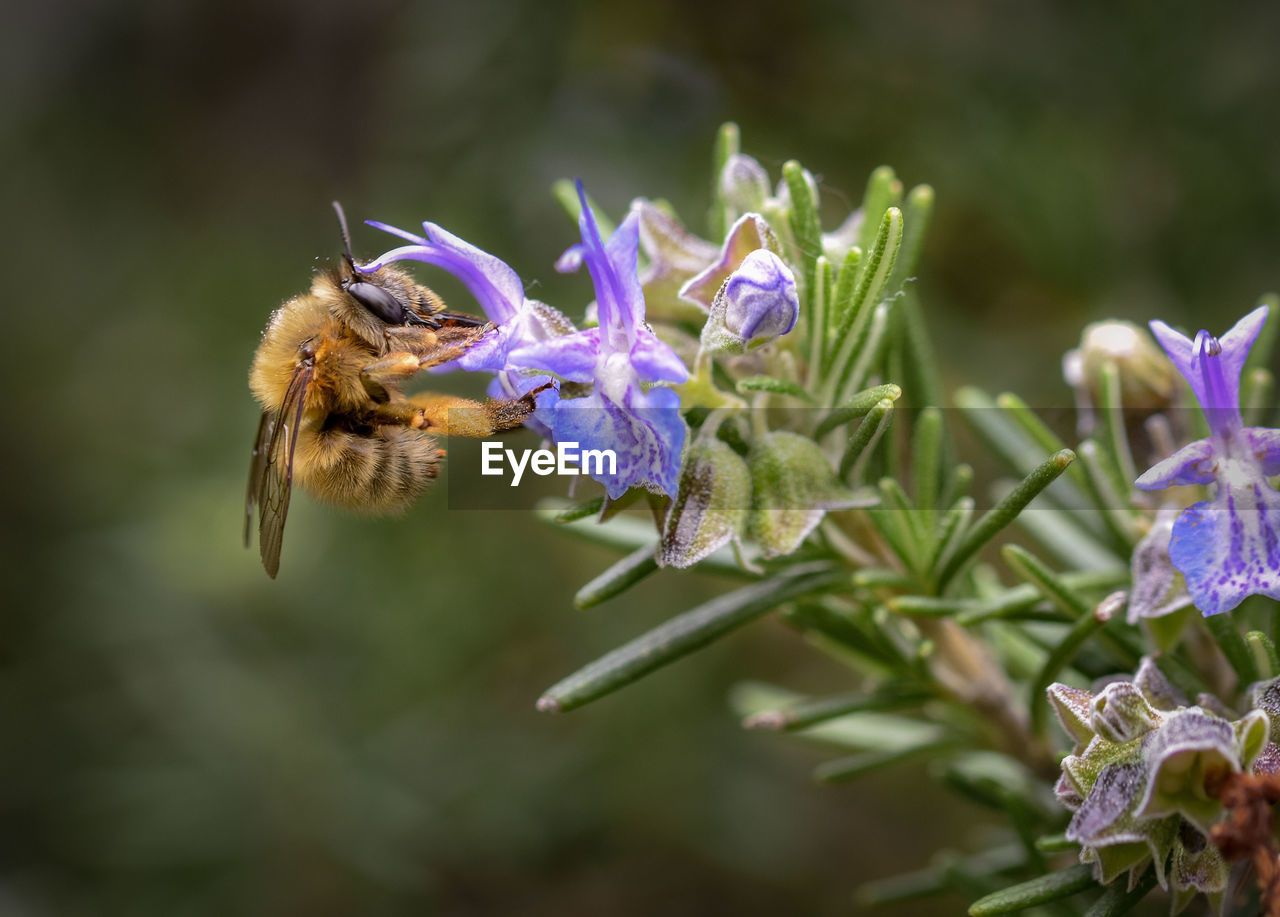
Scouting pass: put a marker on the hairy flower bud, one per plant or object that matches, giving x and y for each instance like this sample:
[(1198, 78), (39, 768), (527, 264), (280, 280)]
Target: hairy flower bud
[(710, 506), (744, 184), (793, 486), (757, 303)]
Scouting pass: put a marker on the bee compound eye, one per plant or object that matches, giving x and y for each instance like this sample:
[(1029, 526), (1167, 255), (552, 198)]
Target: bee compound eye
[(379, 301)]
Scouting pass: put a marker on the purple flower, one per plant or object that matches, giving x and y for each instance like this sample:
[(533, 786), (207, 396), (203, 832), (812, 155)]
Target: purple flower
[(494, 285), (621, 357), (757, 303), (1227, 547)]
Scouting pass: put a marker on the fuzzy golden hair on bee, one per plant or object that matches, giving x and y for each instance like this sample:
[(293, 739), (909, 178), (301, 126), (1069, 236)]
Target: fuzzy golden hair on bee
[(329, 373)]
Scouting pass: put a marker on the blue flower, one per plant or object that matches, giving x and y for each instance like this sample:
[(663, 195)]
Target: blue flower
[(1227, 547), (622, 358)]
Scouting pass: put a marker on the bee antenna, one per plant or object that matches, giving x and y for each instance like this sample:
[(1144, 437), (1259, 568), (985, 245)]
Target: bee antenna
[(346, 234)]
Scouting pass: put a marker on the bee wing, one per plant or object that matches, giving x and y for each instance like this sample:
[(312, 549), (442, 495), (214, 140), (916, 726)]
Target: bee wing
[(257, 467), (277, 471)]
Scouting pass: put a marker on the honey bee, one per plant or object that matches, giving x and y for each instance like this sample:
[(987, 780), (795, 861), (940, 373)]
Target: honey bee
[(328, 374)]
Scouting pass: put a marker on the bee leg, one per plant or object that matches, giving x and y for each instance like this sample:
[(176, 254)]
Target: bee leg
[(435, 346), (454, 416)]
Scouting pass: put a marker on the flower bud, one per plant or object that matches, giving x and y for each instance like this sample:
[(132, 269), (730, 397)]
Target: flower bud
[(744, 184), (757, 303), (792, 487), (1146, 375), (710, 506), (1121, 713)]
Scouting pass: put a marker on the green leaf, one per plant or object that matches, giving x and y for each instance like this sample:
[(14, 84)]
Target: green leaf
[(806, 227), (846, 634), (873, 273), (1119, 899), (938, 878), (926, 457), (776, 386), (617, 579), (1048, 583), (1069, 881), (1113, 503), (1262, 349), (840, 304), (1004, 512), (1223, 628), (884, 190), (1055, 843), (823, 291), (810, 712), (857, 406), (917, 214), (1061, 535), (578, 511), (864, 439), (1117, 435), (1059, 657), (1264, 654), (727, 144), (851, 767), (683, 634)]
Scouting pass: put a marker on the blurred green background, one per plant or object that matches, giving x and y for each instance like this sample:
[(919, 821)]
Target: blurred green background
[(182, 736)]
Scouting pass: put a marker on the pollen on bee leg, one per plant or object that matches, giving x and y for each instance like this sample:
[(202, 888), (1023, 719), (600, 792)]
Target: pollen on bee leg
[(395, 366)]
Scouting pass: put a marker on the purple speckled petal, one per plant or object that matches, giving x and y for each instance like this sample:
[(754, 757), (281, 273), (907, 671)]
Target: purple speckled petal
[(1268, 761), (1229, 548), (1192, 464), (570, 356), (645, 431), (1114, 795), (1264, 443)]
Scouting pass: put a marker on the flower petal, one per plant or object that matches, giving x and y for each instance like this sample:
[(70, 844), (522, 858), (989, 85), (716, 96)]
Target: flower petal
[(570, 356), (1158, 588), (749, 233), (1184, 756), (1181, 351), (645, 432), (489, 279), (613, 267), (1264, 443), (654, 360), (1196, 463), (1236, 344), (1229, 548)]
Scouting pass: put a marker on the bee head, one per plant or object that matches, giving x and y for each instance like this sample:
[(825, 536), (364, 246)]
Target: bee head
[(389, 302), (381, 300)]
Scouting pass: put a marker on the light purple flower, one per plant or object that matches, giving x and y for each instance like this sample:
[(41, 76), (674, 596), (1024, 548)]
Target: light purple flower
[(1227, 547), (757, 303), (621, 357), (494, 285)]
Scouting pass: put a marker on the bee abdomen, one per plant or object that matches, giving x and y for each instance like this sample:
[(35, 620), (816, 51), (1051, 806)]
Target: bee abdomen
[(381, 471)]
